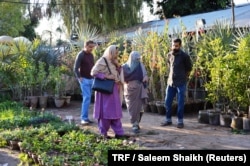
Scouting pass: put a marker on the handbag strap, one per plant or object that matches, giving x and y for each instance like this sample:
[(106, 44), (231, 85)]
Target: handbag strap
[(107, 64)]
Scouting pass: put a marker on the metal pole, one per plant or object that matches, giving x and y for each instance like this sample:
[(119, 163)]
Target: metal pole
[(233, 15)]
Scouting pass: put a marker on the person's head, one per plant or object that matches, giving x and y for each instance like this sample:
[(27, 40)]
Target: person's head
[(133, 60), (176, 45), (134, 56), (89, 46), (111, 52)]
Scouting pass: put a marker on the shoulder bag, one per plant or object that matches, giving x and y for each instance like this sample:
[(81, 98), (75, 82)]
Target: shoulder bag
[(103, 85)]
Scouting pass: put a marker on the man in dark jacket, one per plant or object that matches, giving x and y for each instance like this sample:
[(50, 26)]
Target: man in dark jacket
[(83, 64), (179, 69)]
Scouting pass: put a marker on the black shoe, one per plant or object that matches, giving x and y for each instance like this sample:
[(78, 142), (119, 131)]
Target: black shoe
[(136, 131), (106, 137), (166, 123), (180, 125), (89, 121), (122, 136)]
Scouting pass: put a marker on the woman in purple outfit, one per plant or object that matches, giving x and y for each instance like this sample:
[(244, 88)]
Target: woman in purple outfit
[(107, 107)]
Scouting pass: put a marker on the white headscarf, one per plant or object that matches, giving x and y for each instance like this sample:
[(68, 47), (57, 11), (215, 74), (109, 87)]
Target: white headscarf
[(100, 65), (133, 61)]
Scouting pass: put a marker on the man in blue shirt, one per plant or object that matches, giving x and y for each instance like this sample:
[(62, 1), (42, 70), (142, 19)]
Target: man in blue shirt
[(179, 69)]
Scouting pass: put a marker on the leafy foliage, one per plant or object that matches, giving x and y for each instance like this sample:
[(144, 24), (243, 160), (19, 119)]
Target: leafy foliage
[(169, 9), (106, 15), (17, 23), (55, 141)]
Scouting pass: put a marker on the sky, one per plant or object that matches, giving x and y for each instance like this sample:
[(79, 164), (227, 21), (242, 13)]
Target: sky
[(240, 2), (51, 25)]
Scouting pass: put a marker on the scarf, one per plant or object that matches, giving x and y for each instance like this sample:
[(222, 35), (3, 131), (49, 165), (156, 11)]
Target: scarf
[(101, 67), (132, 63)]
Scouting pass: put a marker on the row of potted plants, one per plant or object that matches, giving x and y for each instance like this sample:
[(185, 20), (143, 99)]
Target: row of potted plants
[(33, 72), (238, 120), (222, 60), (189, 107), (45, 139), (45, 146)]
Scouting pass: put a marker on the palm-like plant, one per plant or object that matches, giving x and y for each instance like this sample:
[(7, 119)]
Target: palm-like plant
[(86, 32), (139, 40), (14, 58)]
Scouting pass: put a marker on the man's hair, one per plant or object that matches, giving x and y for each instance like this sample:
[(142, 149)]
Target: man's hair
[(177, 41), (88, 42)]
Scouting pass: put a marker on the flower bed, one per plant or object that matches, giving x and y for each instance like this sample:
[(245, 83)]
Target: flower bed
[(44, 139)]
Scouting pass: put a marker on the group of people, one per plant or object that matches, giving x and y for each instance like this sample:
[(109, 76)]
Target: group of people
[(130, 83)]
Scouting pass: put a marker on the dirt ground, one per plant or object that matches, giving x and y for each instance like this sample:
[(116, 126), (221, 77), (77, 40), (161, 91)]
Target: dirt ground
[(153, 136)]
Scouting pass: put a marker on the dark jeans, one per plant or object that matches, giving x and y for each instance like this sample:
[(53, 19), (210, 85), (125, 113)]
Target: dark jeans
[(170, 94)]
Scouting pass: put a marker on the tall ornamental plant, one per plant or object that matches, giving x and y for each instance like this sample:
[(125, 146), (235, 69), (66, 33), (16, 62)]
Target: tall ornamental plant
[(165, 44), (152, 54), (242, 70), (216, 42)]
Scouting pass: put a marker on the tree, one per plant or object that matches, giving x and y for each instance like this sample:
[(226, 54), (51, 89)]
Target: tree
[(106, 15), (12, 20), (29, 31), (34, 15), (169, 9)]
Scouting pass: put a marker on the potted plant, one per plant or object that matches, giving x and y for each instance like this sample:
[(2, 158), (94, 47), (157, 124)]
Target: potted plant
[(162, 68), (150, 59), (43, 81), (30, 81), (214, 88), (55, 76), (232, 79), (241, 85), (211, 51), (12, 138), (246, 119)]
